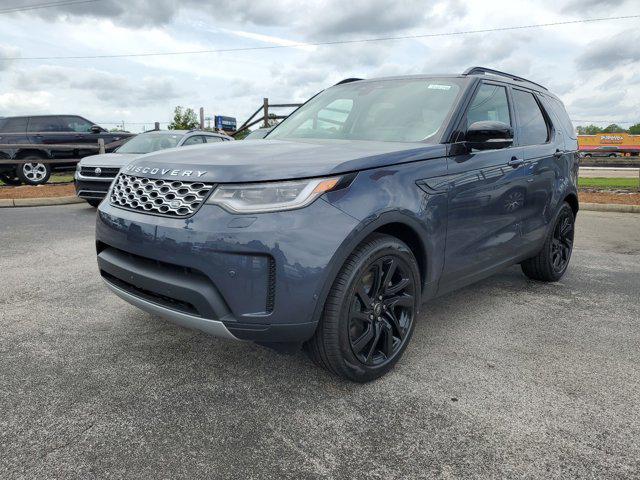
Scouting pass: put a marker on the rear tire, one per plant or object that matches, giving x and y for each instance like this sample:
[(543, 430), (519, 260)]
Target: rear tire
[(370, 312), (32, 171), (550, 264), (93, 202)]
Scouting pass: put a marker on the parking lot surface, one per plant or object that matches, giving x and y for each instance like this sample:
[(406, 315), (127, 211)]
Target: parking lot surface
[(508, 378)]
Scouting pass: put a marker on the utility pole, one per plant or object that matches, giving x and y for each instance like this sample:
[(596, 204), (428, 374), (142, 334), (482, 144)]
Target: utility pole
[(265, 106), (201, 118)]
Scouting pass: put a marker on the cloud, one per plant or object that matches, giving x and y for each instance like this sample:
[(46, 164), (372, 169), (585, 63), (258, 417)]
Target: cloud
[(105, 86), (580, 6), (609, 104), (21, 103), (369, 17), (497, 51), (619, 50), (325, 19), (7, 52)]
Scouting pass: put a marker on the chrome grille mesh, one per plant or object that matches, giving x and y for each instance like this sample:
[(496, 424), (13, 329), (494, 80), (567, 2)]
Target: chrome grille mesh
[(173, 198)]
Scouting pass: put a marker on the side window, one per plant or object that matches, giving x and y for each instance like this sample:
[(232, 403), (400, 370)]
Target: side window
[(44, 124), (75, 124), (490, 103), (13, 125), (195, 140), (211, 139), (533, 127)]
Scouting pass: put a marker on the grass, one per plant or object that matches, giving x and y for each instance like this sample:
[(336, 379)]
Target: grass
[(610, 183), (57, 177)]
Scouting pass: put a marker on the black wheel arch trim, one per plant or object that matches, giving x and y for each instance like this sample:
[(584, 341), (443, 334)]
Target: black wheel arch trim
[(356, 237)]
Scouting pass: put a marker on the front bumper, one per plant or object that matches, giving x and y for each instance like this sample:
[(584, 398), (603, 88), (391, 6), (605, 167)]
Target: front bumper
[(251, 277)]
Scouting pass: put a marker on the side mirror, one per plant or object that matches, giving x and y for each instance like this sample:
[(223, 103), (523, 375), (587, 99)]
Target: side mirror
[(488, 135), (96, 129)]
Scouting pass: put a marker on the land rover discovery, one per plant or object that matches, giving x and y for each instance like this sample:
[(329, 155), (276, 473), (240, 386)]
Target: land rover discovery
[(332, 232)]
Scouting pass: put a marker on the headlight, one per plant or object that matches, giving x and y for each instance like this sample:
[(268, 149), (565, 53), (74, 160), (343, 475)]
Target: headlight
[(272, 196)]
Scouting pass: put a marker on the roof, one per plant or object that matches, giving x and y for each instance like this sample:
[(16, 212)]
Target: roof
[(473, 72), (184, 132)]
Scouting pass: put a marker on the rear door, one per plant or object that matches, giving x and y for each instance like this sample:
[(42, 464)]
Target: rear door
[(485, 196), (13, 131), (541, 143)]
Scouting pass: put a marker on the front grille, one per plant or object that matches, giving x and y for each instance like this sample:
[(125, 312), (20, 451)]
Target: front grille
[(99, 172), (173, 198)]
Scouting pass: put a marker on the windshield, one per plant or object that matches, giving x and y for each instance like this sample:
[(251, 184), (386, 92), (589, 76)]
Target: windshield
[(407, 110), (150, 142)]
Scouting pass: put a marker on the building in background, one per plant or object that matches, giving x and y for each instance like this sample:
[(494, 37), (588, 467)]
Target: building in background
[(611, 143)]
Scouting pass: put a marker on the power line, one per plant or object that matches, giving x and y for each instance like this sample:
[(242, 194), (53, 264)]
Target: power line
[(334, 42), (38, 6), (607, 121)]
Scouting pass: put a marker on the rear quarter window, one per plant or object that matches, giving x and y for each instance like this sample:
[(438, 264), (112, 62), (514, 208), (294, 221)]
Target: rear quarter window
[(560, 113), (13, 125)]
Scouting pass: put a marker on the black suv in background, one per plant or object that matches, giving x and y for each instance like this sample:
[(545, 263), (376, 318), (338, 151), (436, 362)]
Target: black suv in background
[(59, 139)]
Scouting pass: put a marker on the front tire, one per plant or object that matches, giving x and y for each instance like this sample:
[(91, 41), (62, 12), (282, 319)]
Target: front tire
[(550, 264), (32, 172), (370, 312)]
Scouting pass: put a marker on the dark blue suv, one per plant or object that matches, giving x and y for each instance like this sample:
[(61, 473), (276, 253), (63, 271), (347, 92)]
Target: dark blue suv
[(372, 198)]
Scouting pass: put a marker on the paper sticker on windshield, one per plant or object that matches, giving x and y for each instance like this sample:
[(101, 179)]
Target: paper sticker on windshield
[(439, 87)]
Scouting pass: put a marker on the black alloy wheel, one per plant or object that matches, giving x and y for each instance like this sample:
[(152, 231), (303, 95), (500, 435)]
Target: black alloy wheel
[(370, 312), (552, 261), (562, 242), (382, 311)]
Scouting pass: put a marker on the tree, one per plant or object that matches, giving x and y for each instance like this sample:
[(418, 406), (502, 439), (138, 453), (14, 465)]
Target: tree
[(184, 120), (635, 129), (588, 130), (613, 128)]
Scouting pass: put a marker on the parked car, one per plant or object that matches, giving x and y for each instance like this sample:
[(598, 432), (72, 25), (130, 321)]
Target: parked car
[(95, 173), (372, 198), (601, 152), (58, 139)]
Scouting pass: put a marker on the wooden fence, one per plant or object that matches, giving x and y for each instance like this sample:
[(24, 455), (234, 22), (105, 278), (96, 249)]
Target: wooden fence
[(265, 116)]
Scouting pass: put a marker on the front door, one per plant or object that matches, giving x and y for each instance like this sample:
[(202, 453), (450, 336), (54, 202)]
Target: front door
[(486, 196)]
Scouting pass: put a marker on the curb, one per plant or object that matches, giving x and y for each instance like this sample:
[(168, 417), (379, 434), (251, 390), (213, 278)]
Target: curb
[(39, 202), (610, 207)]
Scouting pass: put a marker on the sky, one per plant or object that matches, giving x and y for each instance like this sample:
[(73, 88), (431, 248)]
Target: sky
[(594, 68)]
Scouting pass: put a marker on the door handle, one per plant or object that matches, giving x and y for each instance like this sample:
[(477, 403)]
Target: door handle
[(558, 154), (515, 162)]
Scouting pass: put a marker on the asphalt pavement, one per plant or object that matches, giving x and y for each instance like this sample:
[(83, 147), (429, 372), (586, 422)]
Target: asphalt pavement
[(508, 378)]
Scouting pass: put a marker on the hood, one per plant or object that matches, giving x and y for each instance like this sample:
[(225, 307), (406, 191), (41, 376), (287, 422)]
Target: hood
[(108, 160), (261, 160)]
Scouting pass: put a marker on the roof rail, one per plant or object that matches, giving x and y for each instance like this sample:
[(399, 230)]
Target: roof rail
[(483, 70), (348, 80)]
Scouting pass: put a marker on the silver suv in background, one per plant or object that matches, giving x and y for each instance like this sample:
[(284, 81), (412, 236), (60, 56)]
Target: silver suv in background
[(94, 174)]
